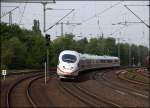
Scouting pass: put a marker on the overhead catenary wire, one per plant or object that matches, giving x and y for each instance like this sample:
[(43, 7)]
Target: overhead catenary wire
[(72, 19), (28, 1), (9, 6), (99, 27), (138, 5), (136, 16), (57, 9), (84, 21), (9, 11), (22, 13), (118, 30), (60, 19)]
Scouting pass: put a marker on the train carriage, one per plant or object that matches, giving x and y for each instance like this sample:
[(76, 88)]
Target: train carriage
[(71, 62)]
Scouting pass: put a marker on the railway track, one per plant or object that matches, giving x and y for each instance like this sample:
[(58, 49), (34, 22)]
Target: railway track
[(87, 97), (146, 75), (31, 100), (128, 90), (74, 94), (141, 99), (132, 80), (77, 91), (101, 99), (24, 83), (22, 72)]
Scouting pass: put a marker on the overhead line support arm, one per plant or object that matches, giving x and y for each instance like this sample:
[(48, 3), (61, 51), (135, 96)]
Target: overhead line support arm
[(60, 19), (137, 16)]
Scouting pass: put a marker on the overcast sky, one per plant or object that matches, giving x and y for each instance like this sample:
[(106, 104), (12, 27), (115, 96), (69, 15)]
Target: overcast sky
[(136, 33)]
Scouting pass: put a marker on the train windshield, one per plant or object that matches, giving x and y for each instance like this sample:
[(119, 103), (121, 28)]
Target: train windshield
[(69, 58)]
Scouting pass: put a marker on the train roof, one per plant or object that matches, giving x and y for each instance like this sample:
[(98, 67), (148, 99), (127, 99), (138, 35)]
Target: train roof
[(69, 52), (89, 56)]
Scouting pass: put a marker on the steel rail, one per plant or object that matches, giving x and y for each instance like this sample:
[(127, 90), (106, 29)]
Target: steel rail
[(96, 101), (106, 101), (144, 74), (29, 91), (9, 92), (85, 101), (124, 88), (133, 81)]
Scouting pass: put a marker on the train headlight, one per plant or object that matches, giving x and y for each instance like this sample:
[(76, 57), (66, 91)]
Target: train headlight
[(71, 68)]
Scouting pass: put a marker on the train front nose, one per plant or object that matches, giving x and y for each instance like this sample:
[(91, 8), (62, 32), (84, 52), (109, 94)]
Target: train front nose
[(68, 65), (68, 70)]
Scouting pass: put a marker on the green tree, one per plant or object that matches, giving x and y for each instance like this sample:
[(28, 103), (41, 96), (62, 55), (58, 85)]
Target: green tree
[(110, 46), (36, 49), (9, 31), (13, 53), (81, 44), (21, 48), (91, 47), (36, 26)]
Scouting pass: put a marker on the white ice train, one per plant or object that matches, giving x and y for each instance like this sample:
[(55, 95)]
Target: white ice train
[(71, 62)]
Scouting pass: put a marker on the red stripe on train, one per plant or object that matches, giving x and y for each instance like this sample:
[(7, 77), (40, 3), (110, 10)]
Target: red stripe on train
[(66, 72)]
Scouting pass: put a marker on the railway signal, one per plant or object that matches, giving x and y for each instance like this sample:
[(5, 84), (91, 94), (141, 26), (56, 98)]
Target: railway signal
[(47, 37)]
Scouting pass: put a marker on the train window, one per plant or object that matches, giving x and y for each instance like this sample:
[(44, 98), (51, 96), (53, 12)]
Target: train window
[(102, 61), (97, 61), (88, 62), (116, 60), (109, 61), (69, 58), (105, 61), (93, 61)]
